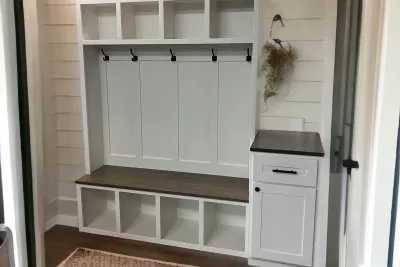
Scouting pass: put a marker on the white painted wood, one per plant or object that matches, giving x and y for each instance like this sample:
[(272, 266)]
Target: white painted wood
[(281, 124), (92, 109), (159, 110), (232, 19), (140, 20), (184, 19), (234, 112), (180, 220), (123, 123), (265, 166), (198, 104), (98, 209), (283, 224), (99, 21), (138, 214), (225, 226), (169, 41)]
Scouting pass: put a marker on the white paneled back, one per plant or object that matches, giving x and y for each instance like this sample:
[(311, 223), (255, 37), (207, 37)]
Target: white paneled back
[(191, 115)]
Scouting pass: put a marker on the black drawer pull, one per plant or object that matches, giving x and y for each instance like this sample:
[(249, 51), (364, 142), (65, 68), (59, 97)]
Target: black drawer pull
[(285, 172)]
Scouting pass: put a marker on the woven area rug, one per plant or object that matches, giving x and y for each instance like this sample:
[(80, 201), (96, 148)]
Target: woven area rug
[(83, 257)]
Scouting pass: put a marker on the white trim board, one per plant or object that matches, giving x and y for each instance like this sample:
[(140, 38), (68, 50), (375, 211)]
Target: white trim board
[(65, 220)]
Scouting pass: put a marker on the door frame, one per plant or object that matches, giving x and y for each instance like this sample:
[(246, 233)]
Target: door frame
[(34, 37), (375, 135)]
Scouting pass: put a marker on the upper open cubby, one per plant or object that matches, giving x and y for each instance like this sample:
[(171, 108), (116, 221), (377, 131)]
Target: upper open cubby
[(149, 22), (140, 20), (231, 18), (99, 21), (184, 19)]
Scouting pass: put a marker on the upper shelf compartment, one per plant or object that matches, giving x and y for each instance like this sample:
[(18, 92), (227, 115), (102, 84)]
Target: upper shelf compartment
[(99, 21), (140, 20), (158, 22), (184, 19), (231, 18)]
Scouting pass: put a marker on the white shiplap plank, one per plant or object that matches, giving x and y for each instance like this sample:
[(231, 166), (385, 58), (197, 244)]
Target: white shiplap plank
[(309, 71), (68, 122), (65, 70), (61, 15), (309, 111), (60, 2), (70, 172), (294, 9), (65, 52), (297, 30), (64, 87), (309, 50), (66, 189), (282, 123), (302, 92), (311, 127), (70, 139), (70, 156), (66, 104), (62, 34)]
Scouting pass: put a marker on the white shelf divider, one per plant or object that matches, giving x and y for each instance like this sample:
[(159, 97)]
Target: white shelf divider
[(99, 209), (180, 220), (140, 20), (138, 214), (99, 21), (224, 226), (189, 222)]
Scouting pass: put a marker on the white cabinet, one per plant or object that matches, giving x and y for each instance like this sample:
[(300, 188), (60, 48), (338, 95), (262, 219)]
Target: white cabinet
[(283, 223)]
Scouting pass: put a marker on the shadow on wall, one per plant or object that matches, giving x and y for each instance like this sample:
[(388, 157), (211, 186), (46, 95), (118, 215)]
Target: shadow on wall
[(332, 256)]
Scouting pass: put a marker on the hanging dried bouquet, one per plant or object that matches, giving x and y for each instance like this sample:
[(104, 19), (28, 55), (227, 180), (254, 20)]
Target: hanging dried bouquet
[(278, 63)]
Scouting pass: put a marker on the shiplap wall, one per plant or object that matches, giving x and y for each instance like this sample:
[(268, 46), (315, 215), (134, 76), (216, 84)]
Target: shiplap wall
[(297, 107), (65, 91)]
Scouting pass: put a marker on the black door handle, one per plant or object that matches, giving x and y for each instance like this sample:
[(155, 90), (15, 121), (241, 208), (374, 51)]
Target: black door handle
[(257, 189), (285, 172)]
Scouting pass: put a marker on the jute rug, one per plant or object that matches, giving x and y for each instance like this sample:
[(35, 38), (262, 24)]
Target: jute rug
[(83, 257)]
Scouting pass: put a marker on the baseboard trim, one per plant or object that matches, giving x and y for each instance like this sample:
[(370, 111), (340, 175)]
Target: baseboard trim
[(62, 220)]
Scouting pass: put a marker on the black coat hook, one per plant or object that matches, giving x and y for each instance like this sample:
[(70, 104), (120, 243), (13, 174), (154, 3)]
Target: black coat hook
[(134, 57), (214, 57), (278, 17), (248, 57), (173, 57), (105, 56)]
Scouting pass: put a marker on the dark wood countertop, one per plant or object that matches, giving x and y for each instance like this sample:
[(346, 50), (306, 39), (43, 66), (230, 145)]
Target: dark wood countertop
[(176, 183), (286, 142)]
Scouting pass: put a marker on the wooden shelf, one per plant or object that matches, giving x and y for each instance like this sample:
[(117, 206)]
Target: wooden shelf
[(213, 41), (178, 183)]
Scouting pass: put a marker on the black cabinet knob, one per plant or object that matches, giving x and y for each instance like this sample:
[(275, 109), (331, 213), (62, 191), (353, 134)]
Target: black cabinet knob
[(257, 189)]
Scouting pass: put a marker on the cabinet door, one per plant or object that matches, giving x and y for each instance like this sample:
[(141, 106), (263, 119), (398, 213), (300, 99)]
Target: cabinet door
[(283, 223)]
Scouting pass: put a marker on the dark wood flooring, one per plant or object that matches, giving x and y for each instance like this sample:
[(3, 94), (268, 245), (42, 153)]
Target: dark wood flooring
[(179, 183), (61, 241)]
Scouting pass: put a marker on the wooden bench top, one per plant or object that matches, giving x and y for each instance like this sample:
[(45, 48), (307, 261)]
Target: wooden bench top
[(176, 183)]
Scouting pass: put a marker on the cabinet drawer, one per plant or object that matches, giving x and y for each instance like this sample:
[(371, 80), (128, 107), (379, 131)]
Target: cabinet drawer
[(285, 170)]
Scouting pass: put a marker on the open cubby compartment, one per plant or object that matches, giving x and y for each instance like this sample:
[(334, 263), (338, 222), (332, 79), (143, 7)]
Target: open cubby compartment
[(184, 19), (98, 209), (140, 20), (99, 21), (180, 220), (231, 18), (225, 226), (138, 214)]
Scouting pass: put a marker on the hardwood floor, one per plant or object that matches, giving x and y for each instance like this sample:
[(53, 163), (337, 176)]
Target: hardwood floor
[(61, 241)]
